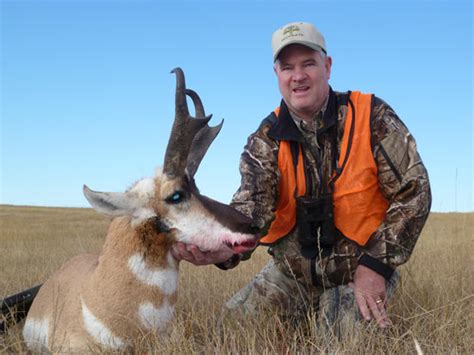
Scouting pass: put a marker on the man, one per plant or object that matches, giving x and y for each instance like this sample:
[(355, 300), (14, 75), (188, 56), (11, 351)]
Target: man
[(335, 184)]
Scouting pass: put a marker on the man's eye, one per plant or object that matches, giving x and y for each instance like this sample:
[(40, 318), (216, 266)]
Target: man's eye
[(175, 197)]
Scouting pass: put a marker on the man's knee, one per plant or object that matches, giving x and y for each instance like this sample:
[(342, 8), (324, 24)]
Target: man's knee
[(269, 289)]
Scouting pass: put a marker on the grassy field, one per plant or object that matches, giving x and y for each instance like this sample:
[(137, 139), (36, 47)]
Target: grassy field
[(434, 303)]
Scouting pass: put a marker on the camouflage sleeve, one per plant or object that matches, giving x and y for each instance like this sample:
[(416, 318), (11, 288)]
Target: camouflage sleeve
[(404, 182), (257, 194)]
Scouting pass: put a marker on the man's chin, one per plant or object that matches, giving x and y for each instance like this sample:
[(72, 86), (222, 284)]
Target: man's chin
[(301, 104)]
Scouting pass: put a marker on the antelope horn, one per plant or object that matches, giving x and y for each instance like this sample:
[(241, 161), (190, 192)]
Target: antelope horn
[(197, 102), (184, 129), (200, 145), (203, 138)]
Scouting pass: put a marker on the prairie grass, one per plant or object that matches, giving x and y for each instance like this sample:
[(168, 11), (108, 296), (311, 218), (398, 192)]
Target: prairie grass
[(433, 305)]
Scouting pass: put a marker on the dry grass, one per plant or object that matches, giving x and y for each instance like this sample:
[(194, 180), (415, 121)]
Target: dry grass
[(434, 303)]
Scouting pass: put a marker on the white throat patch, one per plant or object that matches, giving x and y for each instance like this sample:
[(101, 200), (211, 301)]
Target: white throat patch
[(164, 278)]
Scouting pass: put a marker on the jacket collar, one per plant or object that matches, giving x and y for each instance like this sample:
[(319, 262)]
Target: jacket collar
[(285, 128)]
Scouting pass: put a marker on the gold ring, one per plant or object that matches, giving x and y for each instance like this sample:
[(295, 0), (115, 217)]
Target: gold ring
[(379, 301)]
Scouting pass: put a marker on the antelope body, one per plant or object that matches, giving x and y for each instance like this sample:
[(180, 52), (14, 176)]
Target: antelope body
[(108, 300)]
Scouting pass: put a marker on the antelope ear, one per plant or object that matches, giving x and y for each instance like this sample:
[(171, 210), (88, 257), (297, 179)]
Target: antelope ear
[(200, 145), (109, 203)]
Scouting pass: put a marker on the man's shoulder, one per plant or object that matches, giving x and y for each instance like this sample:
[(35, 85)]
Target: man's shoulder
[(261, 132), (268, 121), (379, 106), (343, 96)]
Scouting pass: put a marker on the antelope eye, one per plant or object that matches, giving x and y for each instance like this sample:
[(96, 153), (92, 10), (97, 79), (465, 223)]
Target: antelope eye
[(175, 197)]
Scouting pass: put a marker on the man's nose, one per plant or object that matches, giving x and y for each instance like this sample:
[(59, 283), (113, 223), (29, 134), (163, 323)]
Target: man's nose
[(299, 74)]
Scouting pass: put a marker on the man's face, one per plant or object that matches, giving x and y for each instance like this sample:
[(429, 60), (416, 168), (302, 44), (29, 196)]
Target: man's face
[(303, 77)]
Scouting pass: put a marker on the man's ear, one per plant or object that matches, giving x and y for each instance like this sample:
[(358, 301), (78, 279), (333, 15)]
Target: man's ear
[(328, 65)]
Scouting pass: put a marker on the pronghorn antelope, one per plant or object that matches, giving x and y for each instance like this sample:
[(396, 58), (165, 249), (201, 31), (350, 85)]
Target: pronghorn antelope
[(130, 288)]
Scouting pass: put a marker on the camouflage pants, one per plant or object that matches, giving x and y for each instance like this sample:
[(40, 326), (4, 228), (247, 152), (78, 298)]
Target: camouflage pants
[(336, 308)]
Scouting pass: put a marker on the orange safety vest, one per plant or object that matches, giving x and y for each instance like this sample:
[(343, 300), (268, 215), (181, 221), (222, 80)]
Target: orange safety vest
[(359, 206)]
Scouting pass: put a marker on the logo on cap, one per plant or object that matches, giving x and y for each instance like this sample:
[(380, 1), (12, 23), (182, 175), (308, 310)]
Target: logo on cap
[(290, 30)]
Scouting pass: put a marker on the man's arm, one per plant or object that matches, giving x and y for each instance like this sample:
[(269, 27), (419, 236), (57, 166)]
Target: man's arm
[(404, 182)]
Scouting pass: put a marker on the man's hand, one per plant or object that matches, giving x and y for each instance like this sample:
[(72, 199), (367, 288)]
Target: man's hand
[(192, 254), (370, 295)]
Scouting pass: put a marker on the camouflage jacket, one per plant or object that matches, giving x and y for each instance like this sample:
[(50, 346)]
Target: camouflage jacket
[(402, 177)]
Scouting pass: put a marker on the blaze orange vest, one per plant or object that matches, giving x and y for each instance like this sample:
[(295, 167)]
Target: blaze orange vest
[(359, 206)]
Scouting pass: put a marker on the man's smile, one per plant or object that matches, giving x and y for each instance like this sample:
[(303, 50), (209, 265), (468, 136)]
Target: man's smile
[(301, 89)]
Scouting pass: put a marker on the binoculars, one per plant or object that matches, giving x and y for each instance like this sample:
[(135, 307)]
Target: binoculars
[(315, 222)]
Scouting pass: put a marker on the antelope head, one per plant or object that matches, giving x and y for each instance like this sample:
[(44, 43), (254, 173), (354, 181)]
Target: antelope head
[(170, 201)]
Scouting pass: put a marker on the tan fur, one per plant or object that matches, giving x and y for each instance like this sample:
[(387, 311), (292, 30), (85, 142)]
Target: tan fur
[(106, 285)]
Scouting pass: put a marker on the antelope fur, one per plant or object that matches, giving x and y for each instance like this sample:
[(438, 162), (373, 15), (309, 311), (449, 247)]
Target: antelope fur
[(108, 300)]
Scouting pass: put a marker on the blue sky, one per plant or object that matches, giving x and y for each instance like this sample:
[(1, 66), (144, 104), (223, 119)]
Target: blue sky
[(86, 94)]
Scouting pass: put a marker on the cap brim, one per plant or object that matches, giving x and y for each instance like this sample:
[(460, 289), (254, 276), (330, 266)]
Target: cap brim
[(311, 45)]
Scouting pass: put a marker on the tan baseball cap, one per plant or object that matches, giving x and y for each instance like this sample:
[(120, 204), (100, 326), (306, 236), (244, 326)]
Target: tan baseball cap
[(297, 33)]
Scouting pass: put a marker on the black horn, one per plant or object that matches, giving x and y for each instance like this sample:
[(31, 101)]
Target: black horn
[(185, 128), (197, 103), (200, 145)]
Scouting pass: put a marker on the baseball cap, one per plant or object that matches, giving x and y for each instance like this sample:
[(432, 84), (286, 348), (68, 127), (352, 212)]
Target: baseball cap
[(297, 33)]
